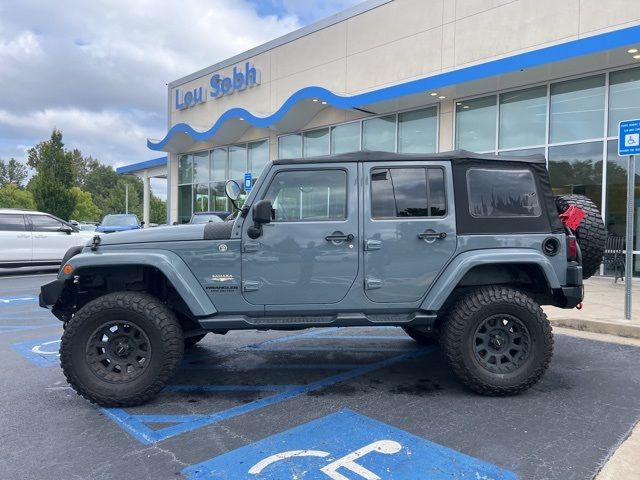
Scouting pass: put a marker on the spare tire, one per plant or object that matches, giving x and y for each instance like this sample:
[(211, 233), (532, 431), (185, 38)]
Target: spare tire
[(591, 234)]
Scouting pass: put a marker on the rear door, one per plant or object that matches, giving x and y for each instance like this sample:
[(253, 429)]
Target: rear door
[(49, 243), (409, 228), (15, 239)]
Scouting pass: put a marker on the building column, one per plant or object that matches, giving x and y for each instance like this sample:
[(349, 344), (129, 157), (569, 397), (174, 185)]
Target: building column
[(446, 126), (146, 198)]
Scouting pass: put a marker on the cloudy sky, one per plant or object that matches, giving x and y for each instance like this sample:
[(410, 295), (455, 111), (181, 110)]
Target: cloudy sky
[(98, 70)]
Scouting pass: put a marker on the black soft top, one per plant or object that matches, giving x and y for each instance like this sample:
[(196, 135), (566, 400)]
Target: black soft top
[(454, 156)]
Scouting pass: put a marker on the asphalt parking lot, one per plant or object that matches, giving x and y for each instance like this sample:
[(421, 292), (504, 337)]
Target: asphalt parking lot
[(338, 404)]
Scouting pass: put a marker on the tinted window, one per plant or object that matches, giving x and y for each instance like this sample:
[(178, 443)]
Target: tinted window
[(502, 193), (319, 195), (119, 220), (45, 223), (12, 223), (407, 192)]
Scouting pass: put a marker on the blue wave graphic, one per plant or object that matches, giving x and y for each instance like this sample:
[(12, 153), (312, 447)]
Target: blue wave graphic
[(555, 53)]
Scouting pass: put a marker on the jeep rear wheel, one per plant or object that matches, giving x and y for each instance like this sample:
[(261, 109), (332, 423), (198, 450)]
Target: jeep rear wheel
[(422, 337), (497, 340), (120, 350)]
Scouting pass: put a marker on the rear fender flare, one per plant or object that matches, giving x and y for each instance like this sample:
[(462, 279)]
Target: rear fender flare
[(461, 264), (170, 264)]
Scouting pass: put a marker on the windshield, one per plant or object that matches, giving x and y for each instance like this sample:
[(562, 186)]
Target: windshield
[(120, 220), (205, 218)]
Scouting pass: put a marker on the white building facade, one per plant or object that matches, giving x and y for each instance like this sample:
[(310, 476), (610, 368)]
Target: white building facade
[(419, 76)]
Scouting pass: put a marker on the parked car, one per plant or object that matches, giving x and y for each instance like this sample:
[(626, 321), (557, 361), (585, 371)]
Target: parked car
[(30, 238), (206, 217), (456, 248), (119, 223), (86, 227)]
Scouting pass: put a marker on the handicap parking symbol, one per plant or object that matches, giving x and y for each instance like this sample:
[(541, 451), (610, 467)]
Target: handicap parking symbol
[(44, 353), (345, 446)]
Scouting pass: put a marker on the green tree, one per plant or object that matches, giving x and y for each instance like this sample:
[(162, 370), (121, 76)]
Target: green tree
[(51, 186), (85, 208), (13, 197), (157, 210), (101, 181), (12, 172)]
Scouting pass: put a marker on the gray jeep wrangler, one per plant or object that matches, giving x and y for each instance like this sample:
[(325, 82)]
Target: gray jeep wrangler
[(457, 248)]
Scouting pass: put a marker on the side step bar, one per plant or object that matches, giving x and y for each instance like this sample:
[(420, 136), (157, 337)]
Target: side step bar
[(242, 322)]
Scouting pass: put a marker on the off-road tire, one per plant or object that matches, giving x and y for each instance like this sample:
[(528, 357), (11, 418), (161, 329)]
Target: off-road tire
[(190, 342), (423, 338), (591, 233), (458, 343), (157, 322)]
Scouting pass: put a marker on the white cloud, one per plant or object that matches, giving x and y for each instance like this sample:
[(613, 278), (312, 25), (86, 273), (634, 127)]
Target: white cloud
[(98, 70)]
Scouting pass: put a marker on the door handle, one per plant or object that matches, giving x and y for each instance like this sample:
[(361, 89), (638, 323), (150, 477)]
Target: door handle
[(372, 245), (339, 237), (432, 236)]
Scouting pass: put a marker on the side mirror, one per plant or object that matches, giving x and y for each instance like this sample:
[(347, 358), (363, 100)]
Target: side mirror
[(232, 190), (263, 212), (142, 223), (66, 229)]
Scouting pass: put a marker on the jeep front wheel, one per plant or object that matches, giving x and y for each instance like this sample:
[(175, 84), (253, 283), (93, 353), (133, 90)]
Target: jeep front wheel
[(497, 340), (120, 350)]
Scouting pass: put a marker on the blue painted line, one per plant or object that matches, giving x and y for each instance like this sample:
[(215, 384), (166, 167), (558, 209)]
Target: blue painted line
[(345, 445), (228, 388), (273, 366), (514, 63), (364, 337), (48, 359), (166, 418), (5, 302), (337, 349), (21, 328), (147, 436)]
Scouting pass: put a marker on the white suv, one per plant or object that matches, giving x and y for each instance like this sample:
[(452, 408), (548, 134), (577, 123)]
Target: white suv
[(29, 238)]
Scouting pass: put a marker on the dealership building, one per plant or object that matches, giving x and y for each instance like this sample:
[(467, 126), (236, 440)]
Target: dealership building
[(417, 76)]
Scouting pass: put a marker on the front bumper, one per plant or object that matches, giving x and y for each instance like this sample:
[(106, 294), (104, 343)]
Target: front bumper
[(50, 293)]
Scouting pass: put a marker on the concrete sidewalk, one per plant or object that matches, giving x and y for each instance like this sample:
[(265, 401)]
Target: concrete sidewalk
[(603, 310)]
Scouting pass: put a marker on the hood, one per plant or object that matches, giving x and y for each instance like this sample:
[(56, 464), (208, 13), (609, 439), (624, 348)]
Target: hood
[(175, 233), (116, 228)]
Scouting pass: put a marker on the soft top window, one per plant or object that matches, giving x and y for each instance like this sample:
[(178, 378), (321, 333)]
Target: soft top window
[(502, 193)]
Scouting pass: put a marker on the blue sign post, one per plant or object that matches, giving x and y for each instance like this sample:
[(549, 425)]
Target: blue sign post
[(629, 146), (248, 182)]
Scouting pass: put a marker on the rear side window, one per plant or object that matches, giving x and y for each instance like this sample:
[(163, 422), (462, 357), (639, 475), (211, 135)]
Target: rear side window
[(502, 193), (12, 223), (45, 223), (309, 195), (407, 192)]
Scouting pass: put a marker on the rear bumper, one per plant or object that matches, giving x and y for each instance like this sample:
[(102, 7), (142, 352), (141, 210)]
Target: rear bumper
[(572, 294), (50, 293)]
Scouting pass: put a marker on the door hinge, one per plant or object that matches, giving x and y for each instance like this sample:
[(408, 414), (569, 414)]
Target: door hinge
[(371, 283), (372, 245), (250, 286), (248, 247)]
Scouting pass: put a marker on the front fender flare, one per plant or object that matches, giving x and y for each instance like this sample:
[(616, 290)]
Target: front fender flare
[(170, 264), (461, 264)]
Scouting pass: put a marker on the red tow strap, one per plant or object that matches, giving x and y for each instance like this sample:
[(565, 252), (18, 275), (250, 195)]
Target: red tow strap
[(572, 217)]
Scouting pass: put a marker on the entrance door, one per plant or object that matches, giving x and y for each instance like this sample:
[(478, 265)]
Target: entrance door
[(409, 228), (308, 253)]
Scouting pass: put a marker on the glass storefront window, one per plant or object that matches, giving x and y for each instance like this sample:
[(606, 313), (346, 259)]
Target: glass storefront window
[(184, 203), (345, 138), (290, 146), (218, 164), (315, 143), (577, 109), (523, 118), (201, 197), (185, 169), (616, 216), (624, 98), (237, 162), (417, 131), (217, 197), (201, 167), (258, 156), (577, 169), (523, 152), (476, 124), (379, 134)]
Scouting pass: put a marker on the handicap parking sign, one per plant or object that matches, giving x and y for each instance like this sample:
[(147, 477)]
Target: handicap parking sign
[(629, 138), (248, 182), (345, 446)]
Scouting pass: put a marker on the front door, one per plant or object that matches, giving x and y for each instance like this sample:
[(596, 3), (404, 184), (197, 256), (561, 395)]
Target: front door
[(409, 228), (308, 254), (49, 242)]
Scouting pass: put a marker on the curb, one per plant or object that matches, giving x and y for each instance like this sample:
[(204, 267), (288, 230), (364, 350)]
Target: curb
[(629, 330)]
